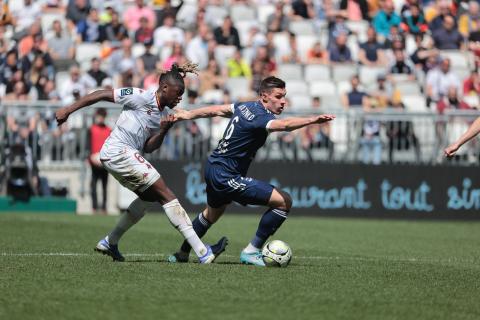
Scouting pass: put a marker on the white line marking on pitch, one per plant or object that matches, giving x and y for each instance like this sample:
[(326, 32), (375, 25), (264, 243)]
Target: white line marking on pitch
[(394, 259)]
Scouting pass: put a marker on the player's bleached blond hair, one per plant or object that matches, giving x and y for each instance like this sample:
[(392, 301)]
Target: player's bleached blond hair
[(177, 73)]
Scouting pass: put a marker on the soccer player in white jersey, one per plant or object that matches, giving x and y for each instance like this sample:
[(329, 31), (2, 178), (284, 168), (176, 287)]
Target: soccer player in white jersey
[(140, 129)]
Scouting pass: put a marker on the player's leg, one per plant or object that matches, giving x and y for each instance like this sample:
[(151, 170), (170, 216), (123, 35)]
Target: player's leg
[(179, 219), (202, 222)]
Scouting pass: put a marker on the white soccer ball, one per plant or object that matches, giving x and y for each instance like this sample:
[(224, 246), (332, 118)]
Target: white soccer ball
[(277, 253)]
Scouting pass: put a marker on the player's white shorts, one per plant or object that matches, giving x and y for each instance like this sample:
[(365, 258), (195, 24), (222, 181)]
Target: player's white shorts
[(132, 170)]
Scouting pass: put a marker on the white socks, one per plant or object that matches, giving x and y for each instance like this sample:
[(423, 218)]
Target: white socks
[(135, 212), (180, 220), (251, 249)]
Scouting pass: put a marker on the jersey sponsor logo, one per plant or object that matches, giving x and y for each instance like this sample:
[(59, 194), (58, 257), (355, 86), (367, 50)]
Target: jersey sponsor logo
[(247, 114), (126, 92)]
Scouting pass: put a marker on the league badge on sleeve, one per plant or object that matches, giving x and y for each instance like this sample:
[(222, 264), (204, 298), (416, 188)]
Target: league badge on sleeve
[(126, 92)]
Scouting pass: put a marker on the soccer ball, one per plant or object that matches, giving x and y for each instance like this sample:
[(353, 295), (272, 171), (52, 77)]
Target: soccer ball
[(277, 253)]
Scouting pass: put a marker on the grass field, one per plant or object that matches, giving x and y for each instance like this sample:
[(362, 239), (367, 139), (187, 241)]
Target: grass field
[(341, 269)]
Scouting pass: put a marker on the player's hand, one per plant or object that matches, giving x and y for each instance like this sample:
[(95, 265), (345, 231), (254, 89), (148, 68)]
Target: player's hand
[(325, 118), (167, 122), (181, 114), (451, 150), (61, 115)]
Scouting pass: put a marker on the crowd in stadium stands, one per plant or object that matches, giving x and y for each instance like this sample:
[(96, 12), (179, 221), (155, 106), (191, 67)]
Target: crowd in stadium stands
[(369, 54)]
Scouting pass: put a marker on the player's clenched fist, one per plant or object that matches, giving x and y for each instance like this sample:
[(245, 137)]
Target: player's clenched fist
[(167, 122), (325, 118), (61, 115), (451, 150)]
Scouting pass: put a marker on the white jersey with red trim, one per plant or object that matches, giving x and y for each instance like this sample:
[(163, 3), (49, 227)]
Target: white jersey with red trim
[(139, 120)]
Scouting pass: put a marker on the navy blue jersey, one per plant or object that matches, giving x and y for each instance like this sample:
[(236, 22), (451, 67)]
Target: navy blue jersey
[(245, 134)]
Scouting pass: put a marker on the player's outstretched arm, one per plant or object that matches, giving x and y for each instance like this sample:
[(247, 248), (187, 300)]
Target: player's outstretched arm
[(224, 110), (294, 123), (155, 141), (62, 114), (471, 132)]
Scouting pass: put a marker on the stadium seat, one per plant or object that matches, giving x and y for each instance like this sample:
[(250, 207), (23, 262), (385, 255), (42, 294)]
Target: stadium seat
[(462, 73), (457, 58), (368, 75), (360, 27), (241, 13), (315, 72), (216, 13), (410, 44), (472, 100), (238, 87), (297, 87), (408, 88), (212, 96), (290, 72), (304, 43), (61, 77), (223, 53), (343, 71), (343, 87), (280, 41), (138, 49), (331, 102), (352, 44), (300, 102), (263, 12), (415, 103), (86, 51), (302, 27), (48, 18), (322, 88), (243, 28)]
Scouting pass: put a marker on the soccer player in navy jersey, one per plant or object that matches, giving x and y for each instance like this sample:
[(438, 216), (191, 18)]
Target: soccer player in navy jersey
[(226, 168)]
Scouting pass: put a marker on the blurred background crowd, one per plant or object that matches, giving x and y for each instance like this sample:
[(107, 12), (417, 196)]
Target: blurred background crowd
[(368, 55)]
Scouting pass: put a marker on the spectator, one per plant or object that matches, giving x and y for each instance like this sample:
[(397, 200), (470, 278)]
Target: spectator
[(6, 17), (382, 95), (426, 55), (96, 73), (89, 29), (77, 10), (25, 15), (256, 38), (9, 66), (371, 52), (470, 21), (177, 56), (167, 34), (451, 101), (197, 48), (115, 31), (471, 85), (76, 86), (48, 91), (147, 62), (337, 27), (278, 21), (303, 9), (385, 19), (227, 34), (414, 22), (211, 78), (259, 72), (98, 133), (61, 48), (144, 33), (395, 40), (400, 134), (132, 16), (439, 80), (265, 57), (401, 67), (19, 93), (38, 49), (25, 45), (339, 52), (356, 9), (122, 59), (355, 98), (238, 67), (316, 54), (292, 56), (443, 11), (37, 75), (168, 10), (447, 37)]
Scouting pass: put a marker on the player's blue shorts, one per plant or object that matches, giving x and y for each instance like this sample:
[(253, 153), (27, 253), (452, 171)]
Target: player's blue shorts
[(224, 187)]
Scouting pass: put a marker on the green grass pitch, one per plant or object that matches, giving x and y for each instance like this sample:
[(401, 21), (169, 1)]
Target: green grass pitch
[(341, 269)]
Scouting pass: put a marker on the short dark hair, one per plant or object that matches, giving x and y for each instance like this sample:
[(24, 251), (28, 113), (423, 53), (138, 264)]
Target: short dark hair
[(270, 83), (101, 112)]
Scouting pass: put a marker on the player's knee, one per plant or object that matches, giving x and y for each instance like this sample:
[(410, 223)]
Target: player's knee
[(288, 200)]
